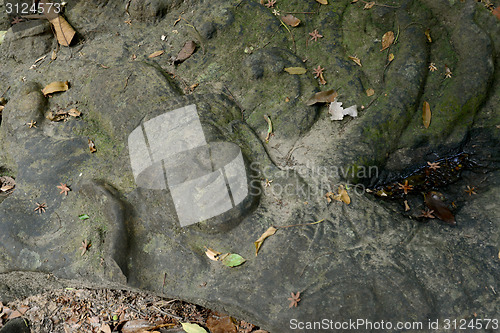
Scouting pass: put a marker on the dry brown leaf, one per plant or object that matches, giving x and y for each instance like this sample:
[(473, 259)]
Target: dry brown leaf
[(186, 51), (64, 31), (426, 114), (1, 108), (54, 55), (296, 70), (291, 20), (343, 195), (258, 243), (74, 113), (212, 254), (323, 2), (369, 5), (56, 86), (387, 40), (407, 207), (428, 35), (370, 92), (156, 54), (322, 97), (105, 328), (137, 326), (14, 314), (218, 323), (56, 116), (356, 60)]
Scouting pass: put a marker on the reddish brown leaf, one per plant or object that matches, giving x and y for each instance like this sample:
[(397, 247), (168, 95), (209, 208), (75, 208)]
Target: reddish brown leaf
[(426, 114), (322, 97), (186, 51), (496, 12), (387, 40), (217, 323), (434, 201), (291, 20)]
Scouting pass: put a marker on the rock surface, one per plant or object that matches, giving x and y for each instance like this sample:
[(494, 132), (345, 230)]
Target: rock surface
[(365, 260)]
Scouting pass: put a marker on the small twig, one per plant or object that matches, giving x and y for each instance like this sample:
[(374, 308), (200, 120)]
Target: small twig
[(164, 280), (166, 313), (237, 103), (299, 225), (5, 91), (126, 82), (197, 34), (324, 254), (291, 34), (301, 13), (382, 5)]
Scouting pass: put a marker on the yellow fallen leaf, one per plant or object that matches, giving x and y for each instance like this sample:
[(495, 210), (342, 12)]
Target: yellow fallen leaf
[(426, 114), (370, 92), (156, 54), (212, 254), (56, 86), (356, 60), (258, 243), (391, 57), (428, 35), (387, 40), (193, 328), (369, 5), (296, 70), (323, 2), (63, 30)]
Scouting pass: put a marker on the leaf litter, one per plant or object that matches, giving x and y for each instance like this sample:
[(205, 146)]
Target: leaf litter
[(106, 310)]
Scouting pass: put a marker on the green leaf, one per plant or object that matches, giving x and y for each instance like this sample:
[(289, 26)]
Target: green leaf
[(193, 328), (296, 70), (233, 260), (83, 217)]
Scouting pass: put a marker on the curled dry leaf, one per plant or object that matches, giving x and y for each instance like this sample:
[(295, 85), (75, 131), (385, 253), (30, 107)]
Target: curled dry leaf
[(56, 86), (291, 20), (63, 30), (296, 70), (426, 114), (156, 54), (356, 60), (74, 113), (186, 51), (428, 35), (7, 183), (387, 40), (212, 254), (370, 92), (322, 97), (337, 112), (343, 195), (92, 147), (369, 5), (258, 243)]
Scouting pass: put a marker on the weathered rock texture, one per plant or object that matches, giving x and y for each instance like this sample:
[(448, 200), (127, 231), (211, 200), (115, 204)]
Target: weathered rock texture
[(366, 260)]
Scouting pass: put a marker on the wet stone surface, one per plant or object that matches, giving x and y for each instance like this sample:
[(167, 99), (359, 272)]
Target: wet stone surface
[(368, 259)]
